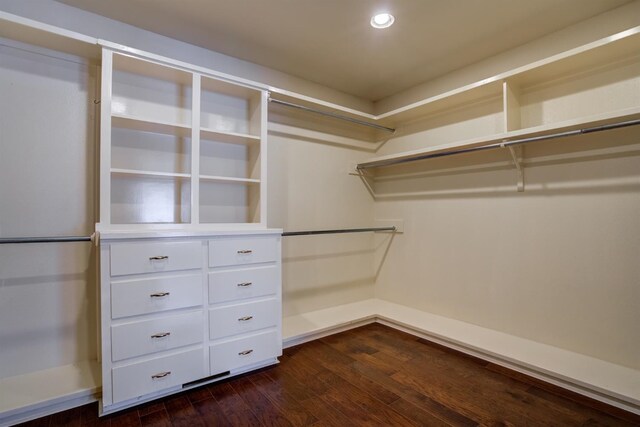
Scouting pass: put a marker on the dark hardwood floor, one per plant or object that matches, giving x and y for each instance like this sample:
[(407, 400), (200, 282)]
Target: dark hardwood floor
[(373, 375)]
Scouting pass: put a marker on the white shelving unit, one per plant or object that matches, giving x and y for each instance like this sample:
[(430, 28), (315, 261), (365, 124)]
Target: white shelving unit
[(230, 154), (592, 85), (180, 148), (182, 151)]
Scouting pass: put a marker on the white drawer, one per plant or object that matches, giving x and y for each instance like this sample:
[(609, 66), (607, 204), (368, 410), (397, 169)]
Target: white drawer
[(150, 336), (158, 374), (136, 258), (244, 283), (245, 250), (243, 352), (242, 318), (142, 296)]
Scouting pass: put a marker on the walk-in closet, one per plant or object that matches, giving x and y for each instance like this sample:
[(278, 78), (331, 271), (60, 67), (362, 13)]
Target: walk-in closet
[(417, 212)]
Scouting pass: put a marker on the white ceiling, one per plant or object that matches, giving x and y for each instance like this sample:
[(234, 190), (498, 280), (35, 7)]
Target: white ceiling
[(331, 42)]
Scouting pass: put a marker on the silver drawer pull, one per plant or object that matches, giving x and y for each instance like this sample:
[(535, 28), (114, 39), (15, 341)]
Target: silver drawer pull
[(244, 353), (161, 335), (159, 294), (245, 251), (245, 318), (158, 257), (245, 284), (160, 375)]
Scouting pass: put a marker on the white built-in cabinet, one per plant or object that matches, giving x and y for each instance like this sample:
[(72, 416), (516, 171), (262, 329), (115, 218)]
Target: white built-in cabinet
[(179, 312), (190, 276)]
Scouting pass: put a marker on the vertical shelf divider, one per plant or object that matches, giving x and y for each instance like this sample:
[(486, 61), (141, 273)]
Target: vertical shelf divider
[(264, 100), (512, 116), (195, 149), (105, 137)]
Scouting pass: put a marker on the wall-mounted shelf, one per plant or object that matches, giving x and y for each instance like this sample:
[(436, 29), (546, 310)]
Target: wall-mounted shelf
[(44, 35), (596, 78), (489, 141)]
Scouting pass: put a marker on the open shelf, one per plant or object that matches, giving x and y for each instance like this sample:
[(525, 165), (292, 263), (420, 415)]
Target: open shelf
[(229, 179), (229, 201), (149, 68), (139, 197), (142, 125), (150, 92), (229, 109), (230, 160), (141, 173), (478, 92)]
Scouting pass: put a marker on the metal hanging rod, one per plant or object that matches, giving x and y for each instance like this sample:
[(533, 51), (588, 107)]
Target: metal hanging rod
[(333, 115), (504, 144), (13, 240), (341, 231)]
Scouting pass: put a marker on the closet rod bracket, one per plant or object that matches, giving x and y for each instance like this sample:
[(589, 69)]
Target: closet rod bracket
[(516, 156)]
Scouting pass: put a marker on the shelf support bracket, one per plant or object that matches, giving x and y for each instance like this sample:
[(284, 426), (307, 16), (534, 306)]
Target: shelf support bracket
[(517, 162)]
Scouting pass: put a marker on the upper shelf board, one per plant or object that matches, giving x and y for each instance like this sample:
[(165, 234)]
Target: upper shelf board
[(37, 33)]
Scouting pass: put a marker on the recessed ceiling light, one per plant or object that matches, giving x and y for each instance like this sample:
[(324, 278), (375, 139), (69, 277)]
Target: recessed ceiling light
[(382, 20)]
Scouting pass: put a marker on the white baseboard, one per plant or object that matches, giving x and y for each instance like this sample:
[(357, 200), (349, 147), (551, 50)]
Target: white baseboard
[(613, 384), (37, 394)]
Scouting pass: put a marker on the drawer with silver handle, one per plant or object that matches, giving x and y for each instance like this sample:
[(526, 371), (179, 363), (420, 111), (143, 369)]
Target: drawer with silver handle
[(142, 257), (151, 336), (242, 318), (245, 250), (143, 296), (235, 354), (153, 375), (243, 283)]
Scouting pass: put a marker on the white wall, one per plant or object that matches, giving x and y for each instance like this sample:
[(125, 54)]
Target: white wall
[(557, 264), (309, 189)]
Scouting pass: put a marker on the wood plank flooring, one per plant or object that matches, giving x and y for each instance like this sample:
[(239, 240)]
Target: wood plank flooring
[(369, 376)]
